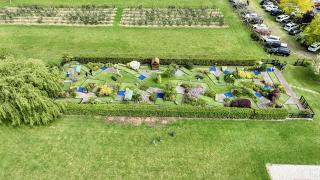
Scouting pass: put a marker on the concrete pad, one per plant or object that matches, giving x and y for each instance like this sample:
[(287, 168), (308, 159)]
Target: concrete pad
[(179, 73), (293, 172), (220, 98)]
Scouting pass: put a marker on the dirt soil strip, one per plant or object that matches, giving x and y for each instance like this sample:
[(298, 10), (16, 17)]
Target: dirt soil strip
[(141, 120)]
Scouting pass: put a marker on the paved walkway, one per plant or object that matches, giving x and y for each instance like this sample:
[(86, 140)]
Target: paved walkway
[(293, 172), (293, 97), (266, 78)]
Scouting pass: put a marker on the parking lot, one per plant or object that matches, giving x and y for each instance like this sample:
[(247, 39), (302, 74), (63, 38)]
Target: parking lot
[(278, 30)]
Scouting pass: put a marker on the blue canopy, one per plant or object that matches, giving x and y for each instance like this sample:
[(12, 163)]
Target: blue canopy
[(121, 93), (212, 68), (228, 94), (104, 68), (160, 95), (258, 95), (141, 77)]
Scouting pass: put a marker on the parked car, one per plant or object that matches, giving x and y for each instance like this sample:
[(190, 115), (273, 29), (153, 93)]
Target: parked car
[(260, 26), (283, 17), (275, 12), (267, 3), (275, 44), (271, 38), (284, 51), (314, 47), (253, 18), (239, 4), (286, 21), (294, 31), (271, 7), (288, 27), (261, 29)]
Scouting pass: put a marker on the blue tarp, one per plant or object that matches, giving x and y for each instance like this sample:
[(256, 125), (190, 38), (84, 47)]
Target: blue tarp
[(228, 94), (104, 68), (141, 77), (81, 89), (212, 68), (121, 93), (258, 94), (160, 95), (226, 72), (257, 72), (270, 69), (267, 87)]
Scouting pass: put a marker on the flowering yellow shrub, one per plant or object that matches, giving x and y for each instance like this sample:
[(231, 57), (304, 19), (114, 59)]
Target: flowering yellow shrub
[(105, 90), (245, 74)]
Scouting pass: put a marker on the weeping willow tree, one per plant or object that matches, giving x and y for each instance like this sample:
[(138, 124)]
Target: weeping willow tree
[(27, 92)]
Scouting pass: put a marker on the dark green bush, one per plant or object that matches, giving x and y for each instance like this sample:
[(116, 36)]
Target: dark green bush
[(270, 114), (144, 110)]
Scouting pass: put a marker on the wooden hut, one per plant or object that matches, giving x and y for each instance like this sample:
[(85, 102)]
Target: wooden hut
[(155, 63)]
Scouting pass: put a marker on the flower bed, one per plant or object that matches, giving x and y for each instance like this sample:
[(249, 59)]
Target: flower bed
[(36, 15), (172, 17)]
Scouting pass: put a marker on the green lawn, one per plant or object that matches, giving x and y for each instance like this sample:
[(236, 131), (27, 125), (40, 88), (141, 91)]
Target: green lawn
[(50, 42)]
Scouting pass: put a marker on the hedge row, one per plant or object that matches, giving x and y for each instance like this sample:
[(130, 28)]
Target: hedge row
[(174, 111), (124, 60), (269, 114)]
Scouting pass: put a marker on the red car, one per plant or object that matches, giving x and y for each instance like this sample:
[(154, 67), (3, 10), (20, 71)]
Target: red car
[(263, 32)]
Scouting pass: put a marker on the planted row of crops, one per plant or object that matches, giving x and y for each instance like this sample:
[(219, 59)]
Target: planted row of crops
[(85, 15), (104, 16), (166, 17)]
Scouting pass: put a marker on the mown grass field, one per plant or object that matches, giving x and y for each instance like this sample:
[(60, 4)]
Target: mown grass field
[(50, 43), (83, 147), (86, 147)]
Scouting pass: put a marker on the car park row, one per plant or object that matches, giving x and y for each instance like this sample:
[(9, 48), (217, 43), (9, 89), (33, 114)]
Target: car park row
[(260, 31), (287, 21)]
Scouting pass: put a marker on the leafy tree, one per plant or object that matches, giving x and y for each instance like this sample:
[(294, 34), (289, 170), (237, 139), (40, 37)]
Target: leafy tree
[(27, 92), (298, 7), (312, 32)]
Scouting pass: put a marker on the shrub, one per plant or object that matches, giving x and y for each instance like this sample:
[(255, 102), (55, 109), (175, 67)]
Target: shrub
[(189, 65), (210, 93), (145, 110), (105, 90), (229, 78), (270, 114), (153, 97), (27, 90), (170, 92), (241, 103)]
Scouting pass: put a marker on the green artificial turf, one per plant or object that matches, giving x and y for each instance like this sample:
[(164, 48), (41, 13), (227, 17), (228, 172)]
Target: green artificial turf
[(274, 78)]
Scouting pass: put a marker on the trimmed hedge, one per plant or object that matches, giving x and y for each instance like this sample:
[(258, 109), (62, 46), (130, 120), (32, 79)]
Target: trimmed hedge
[(270, 114), (174, 111), (124, 60)]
